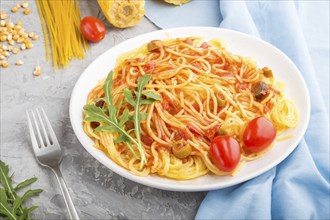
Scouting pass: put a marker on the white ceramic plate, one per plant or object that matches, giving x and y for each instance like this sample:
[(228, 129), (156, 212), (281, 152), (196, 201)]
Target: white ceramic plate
[(265, 55)]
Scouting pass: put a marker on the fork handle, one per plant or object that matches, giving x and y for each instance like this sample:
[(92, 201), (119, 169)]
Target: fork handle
[(64, 189)]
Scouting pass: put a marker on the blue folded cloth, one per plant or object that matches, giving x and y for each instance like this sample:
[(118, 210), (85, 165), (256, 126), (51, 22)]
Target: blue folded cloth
[(298, 188)]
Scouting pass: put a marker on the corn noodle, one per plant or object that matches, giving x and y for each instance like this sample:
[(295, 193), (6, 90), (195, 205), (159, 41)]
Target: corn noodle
[(60, 22)]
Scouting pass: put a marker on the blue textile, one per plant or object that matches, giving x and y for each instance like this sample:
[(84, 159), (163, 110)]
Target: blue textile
[(298, 188)]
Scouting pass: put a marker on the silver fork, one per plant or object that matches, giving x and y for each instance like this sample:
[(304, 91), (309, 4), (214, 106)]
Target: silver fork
[(48, 151)]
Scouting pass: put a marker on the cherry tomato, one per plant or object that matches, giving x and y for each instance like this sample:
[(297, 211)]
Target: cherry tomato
[(225, 152), (258, 134), (92, 29)]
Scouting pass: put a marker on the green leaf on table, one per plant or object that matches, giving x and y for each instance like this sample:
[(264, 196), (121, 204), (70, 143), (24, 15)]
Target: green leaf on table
[(25, 183), (5, 179), (19, 200), (11, 205)]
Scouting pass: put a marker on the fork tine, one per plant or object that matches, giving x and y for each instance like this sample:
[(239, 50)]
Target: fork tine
[(50, 128), (43, 128), (32, 134), (37, 129)]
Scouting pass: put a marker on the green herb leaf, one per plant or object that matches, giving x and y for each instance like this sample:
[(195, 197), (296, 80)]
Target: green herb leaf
[(97, 114), (142, 82), (19, 200), (147, 101), (5, 209), (11, 205), (107, 87), (5, 179), (129, 96), (124, 118), (107, 128), (25, 183), (152, 95), (143, 116), (135, 98)]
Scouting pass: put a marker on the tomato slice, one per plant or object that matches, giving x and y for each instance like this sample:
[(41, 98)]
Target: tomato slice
[(259, 134), (92, 29), (225, 152)]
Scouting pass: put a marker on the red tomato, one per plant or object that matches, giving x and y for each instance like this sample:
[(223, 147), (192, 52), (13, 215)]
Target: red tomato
[(225, 152), (92, 29), (193, 130), (258, 134)]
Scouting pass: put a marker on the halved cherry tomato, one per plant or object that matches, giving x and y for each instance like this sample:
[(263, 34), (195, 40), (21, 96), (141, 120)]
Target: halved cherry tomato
[(225, 152), (92, 29), (258, 134)]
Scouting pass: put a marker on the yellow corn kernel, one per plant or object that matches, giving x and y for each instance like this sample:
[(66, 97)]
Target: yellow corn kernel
[(9, 37), (11, 42), (2, 57), (27, 41), (29, 46), (19, 23), (31, 34), (5, 64), (37, 71), (20, 40), (10, 48), (25, 35), (9, 24), (16, 50), (15, 37), (2, 23), (17, 27), (6, 54), (34, 37), (19, 62), (14, 9), (3, 38), (26, 11), (25, 4), (21, 32), (23, 46), (3, 16)]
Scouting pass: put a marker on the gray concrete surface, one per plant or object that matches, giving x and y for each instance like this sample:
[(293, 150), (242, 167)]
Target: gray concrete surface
[(97, 192)]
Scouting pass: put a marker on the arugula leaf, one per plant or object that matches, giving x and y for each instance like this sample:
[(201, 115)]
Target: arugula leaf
[(5, 209), (152, 95), (18, 202), (135, 98), (11, 205), (107, 87), (129, 96), (5, 179), (25, 183), (138, 116)]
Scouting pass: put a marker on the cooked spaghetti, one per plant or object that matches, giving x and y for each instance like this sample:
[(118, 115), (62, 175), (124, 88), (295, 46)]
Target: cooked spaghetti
[(60, 22), (204, 90)]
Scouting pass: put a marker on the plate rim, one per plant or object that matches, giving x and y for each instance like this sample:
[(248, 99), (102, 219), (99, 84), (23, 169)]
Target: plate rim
[(182, 188)]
